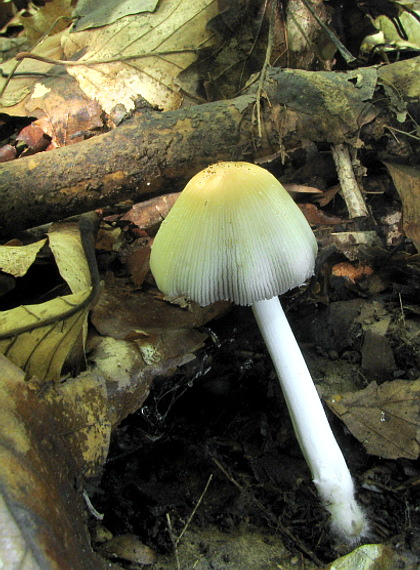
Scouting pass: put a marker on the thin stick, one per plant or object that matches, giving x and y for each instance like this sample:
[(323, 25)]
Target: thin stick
[(351, 192), (264, 69), (98, 516), (345, 54), (26, 54), (173, 540), (176, 540), (195, 509)]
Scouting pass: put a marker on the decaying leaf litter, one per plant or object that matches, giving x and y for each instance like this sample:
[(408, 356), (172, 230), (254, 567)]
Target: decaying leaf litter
[(216, 429)]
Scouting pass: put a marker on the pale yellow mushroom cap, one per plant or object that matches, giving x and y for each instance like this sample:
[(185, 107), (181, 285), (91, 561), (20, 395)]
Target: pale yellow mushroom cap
[(233, 234)]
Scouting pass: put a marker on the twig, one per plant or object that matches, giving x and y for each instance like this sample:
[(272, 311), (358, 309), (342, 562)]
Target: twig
[(349, 186), (173, 540), (345, 54), (91, 508), (264, 69), (26, 54), (200, 499), (416, 137), (176, 540)]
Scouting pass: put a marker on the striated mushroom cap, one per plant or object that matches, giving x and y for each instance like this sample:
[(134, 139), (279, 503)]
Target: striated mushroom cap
[(233, 234)]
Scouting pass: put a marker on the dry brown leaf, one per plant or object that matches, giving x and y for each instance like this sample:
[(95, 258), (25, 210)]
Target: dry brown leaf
[(50, 17), (151, 212), (315, 216), (128, 547), (407, 183), (18, 91), (7, 153), (302, 189), (116, 384), (41, 513), (63, 111), (136, 258), (83, 418), (171, 36), (327, 196), (94, 15), (351, 272), (385, 418), (16, 260), (121, 311)]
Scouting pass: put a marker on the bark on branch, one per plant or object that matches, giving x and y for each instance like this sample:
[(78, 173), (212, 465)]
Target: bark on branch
[(159, 152)]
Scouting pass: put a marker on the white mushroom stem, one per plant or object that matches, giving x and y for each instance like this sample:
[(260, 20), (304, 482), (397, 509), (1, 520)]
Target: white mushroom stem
[(322, 453)]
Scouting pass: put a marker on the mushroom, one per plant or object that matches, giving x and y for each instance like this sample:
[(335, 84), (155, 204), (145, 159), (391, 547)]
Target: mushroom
[(235, 234)]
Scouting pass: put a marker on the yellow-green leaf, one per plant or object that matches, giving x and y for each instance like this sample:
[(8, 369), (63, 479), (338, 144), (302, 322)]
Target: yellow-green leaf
[(42, 351), (16, 260)]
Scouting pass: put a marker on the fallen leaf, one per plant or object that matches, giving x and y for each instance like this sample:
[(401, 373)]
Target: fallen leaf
[(13, 99), (83, 419), (35, 138), (136, 257), (42, 350), (30, 135), (16, 260), (120, 310), (65, 243), (372, 557), (378, 361), (128, 547), (38, 338), (389, 38), (351, 272), (385, 418), (42, 514), (148, 50), (129, 369), (301, 189), (326, 197), (49, 17), (407, 183), (315, 216), (7, 152), (151, 212), (92, 15), (63, 111), (126, 376)]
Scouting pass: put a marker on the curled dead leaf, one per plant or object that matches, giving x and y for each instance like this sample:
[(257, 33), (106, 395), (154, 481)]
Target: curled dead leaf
[(16, 260), (38, 338)]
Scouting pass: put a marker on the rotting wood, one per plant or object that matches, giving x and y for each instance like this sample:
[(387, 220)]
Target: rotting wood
[(158, 152)]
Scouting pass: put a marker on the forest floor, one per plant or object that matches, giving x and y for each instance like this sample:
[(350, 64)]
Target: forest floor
[(208, 472)]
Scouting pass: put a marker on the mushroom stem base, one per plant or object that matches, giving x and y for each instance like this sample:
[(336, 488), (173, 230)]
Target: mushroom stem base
[(328, 467)]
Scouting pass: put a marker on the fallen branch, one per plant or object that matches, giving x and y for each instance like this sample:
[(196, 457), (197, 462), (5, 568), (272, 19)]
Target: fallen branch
[(157, 152)]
